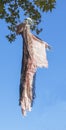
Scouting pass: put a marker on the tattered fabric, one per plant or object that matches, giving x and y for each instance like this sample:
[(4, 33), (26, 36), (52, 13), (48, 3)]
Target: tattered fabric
[(34, 56)]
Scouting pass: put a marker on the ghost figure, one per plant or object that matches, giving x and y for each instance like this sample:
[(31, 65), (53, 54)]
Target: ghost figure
[(34, 56)]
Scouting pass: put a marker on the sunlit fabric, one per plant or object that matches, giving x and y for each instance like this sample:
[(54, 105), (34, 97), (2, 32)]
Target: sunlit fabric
[(34, 56)]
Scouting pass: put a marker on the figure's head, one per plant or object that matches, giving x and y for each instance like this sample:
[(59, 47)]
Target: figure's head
[(20, 27), (28, 21)]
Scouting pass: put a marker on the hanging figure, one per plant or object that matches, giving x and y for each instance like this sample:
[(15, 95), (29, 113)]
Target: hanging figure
[(34, 56)]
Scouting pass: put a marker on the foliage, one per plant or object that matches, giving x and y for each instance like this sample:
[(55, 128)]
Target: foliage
[(10, 10)]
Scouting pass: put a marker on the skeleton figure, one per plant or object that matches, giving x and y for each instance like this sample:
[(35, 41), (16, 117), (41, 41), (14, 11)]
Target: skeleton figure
[(34, 56)]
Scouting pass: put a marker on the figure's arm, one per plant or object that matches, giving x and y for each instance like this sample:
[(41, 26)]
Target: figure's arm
[(47, 46)]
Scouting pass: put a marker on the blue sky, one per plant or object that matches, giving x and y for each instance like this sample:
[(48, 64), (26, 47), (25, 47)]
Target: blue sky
[(49, 109)]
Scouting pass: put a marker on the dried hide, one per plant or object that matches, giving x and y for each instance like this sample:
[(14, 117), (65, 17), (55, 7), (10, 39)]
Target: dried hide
[(34, 56)]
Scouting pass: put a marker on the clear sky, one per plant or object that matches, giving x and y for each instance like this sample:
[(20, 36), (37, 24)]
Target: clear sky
[(49, 109)]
